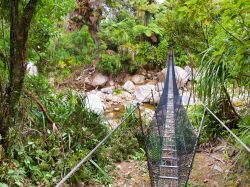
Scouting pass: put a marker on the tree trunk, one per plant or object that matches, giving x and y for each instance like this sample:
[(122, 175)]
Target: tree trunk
[(19, 29)]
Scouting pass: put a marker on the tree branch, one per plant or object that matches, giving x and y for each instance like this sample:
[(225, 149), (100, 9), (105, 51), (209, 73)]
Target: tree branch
[(28, 14), (42, 108), (237, 39)]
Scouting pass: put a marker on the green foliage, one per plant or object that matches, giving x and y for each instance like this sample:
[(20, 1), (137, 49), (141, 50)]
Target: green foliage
[(244, 134), (127, 35), (118, 91), (244, 126), (152, 28), (213, 35), (109, 64), (72, 48), (140, 155), (39, 154), (132, 69), (127, 140)]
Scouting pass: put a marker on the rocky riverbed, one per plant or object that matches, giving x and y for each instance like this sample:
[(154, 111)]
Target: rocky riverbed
[(110, 95), (106, 95)]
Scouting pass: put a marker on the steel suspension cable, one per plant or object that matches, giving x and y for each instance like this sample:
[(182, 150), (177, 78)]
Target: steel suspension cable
[(59, 184), (223, 124)]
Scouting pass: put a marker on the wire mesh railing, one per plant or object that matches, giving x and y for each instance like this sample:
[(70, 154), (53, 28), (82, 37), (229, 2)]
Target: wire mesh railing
[(170, 138)]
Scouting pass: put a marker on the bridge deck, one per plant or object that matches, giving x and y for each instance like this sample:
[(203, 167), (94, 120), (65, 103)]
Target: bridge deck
[(168, 169)]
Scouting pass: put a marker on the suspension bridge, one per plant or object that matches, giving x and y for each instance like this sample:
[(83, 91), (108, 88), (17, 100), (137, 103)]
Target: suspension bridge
[(170, 139)]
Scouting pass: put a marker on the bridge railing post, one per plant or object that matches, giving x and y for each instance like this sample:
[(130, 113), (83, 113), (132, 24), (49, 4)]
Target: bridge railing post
[(145, 144), (196, 143), (159, 102), (156, 116)]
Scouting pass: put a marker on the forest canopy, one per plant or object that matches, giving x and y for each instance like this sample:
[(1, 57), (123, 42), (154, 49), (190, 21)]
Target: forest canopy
[(61, 38)]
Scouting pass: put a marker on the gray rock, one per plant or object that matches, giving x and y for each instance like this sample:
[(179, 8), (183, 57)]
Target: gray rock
[(143, 93), (218, 168), (87, 81), (108, 90), (185, 98), (188, 70), (161, 76), (116, 109), (94, 103), (111, 83), (129, 86), (126, 96), (182, 77), (31, 69), (156, 97), (138, 79), (160, 86), (99, 80)]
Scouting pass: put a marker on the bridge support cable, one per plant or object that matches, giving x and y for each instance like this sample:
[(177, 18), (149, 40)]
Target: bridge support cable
[(223, 124), (88, 156)]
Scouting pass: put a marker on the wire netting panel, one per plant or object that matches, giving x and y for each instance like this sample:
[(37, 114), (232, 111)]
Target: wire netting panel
[(170, 138)]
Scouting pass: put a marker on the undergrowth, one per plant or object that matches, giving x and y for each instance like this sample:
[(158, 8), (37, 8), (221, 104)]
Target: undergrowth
[(41, 152)]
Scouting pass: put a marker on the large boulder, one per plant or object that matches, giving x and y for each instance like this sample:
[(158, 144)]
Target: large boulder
[(143, 93), (160, 86), (186, 99), (156, 98), (138, 79), (94, 103), (129, 86), (99, 80), (182, 77), (147, 114), (126, 96), (31, 69), (161, 76), (188, 70)]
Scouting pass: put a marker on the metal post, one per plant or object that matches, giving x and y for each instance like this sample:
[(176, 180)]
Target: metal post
[(159, 88), (145, 145), (189, 100), (160, 95), (196, 143), (157, 122)]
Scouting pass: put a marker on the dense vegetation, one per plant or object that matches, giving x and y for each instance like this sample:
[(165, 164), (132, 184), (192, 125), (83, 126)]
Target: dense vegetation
[(42, 127)]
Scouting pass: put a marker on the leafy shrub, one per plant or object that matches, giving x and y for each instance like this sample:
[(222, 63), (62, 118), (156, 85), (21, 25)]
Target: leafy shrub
[(132, 69), (161, 53), (146, 53), (70, 49), (127, 141), (244, 134), (109, 64), (41, 152), (244, 130)]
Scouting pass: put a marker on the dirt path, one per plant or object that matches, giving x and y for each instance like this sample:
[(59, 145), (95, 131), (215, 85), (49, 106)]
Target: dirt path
[(209, 170), (213, 170), (132, 174)]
